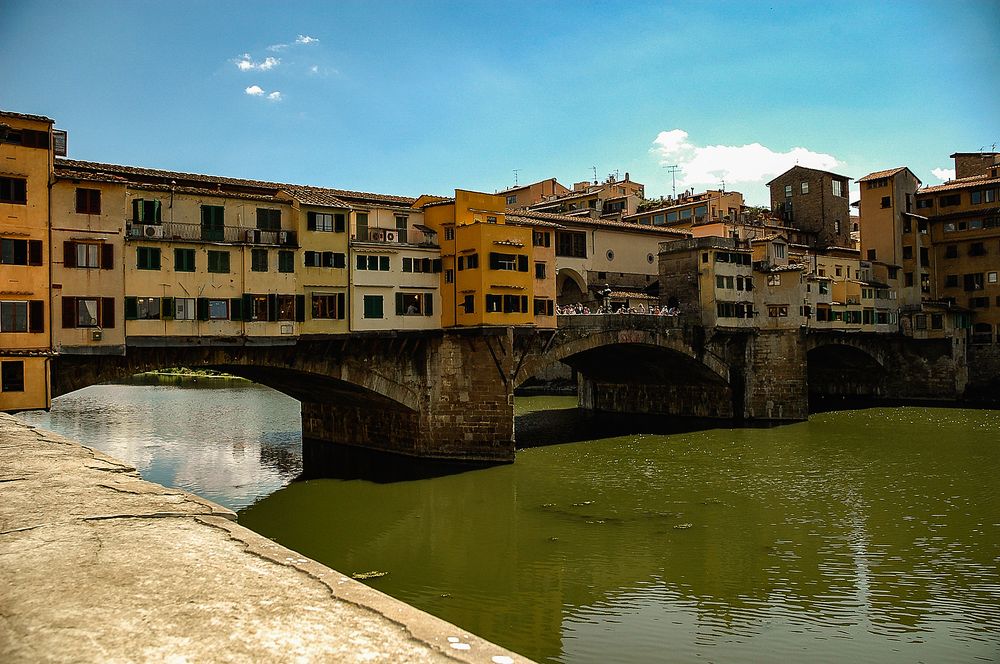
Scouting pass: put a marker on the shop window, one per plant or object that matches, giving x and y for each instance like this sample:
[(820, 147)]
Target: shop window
[(328, 305)]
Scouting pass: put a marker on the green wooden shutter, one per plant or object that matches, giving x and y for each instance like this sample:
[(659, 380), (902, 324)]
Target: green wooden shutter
[(338, 223), (300, 308), (167, 308), (383, 263), (236, 308), (69, 312), (272, 307), (202, 308), (399, 304), (69, 254), (341, 306), (310, 221), (136, 209), (108, 313), (428, 304), (522, 263), (131, 308)]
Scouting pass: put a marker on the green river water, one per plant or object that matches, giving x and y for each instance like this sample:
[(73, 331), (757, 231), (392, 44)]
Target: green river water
[(871, 535)]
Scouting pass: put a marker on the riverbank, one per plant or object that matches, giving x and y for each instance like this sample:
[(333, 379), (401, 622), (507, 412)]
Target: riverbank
[(97, 564)]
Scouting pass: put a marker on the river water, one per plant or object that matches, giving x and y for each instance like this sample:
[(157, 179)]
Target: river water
[(865, 535)]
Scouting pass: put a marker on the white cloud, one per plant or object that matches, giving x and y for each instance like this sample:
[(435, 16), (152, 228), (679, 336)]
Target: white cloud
[(246, 63), (943, 174), (274, 96), (305, 39), (743, 168), (254, 91), (314, 69)]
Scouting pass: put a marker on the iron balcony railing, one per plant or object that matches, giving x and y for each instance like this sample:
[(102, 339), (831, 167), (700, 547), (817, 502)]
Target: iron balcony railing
[(395, 236), (198, 233)]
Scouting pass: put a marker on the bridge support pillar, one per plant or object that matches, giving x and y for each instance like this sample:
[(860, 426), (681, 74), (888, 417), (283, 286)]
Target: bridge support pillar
[(465, 405), (705, 400), (774, 378)]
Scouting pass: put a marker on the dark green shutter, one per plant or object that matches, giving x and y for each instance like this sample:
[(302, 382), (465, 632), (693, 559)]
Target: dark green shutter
[(383, 263), (494, 261), (338, 223), (131, 308), (136, 209), (428, 304), (524, 304), (69, 311), (436, 265), (310, 221), (69, 254), (399, 304), (248, 307), (362, 262), (522, 263), (341, 306), (300, 308), (202, 308), (156, 212), (236, 308), (272, 307), (167, 308)]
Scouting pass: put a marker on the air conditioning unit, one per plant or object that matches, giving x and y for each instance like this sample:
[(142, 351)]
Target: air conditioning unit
[(152, 231), (135, 231), (391, 236), (376, 235)]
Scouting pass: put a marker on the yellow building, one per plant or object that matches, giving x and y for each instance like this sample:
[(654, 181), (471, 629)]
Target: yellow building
[(88, 284), (689, 210), (487, 265), (26, 166)]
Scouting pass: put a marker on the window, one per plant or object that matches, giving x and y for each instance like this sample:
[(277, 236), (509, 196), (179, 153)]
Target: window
[(449, 276), (512, 199), (951, 200), (571, 244), (541, 239), (373, 306), (907, 278), (836, 226), (372, 263), (838, 188), (658, 219), (258, 260), (12, 376), (907, 252), (334, 223), (268, 220), (923, 203), (977, 249), (512, 262), (925, 256), (218, 262), (449, 232), (515, 304), (86, 312), (788, 191), (991, 277), (146, 308), (804, 186), (779, 250), (146, 211), (218, 309), (20, 252), (951, 251), (184, 260), (777, 310), (973, 282), (886, 202), (258, 308), (14, 316), (88, 201), (824, 288), (774, 280), (925, 282), (414, 304), (286, 261), (951, 281), (213, 223), (469, 304), (184, 308), (285, 307), (328, 305), (86, 255), (494, 303), (13, 190), (871, 254), (147, 258), (544, 307), (470, 262), (539, 270)]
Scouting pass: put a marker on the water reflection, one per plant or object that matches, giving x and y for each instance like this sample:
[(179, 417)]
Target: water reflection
[(228, 440), (870, 534)]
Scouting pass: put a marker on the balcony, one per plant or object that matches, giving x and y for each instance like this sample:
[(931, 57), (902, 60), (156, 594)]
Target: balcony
[(197, 233), (420, 236)]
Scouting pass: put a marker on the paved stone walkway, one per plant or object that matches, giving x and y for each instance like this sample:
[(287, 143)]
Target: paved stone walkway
[(98, 565)]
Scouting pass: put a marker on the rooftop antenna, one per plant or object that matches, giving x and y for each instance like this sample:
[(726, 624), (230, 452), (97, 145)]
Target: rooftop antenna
[(594, 168), (723, 185), (672, 169), (515, 176)]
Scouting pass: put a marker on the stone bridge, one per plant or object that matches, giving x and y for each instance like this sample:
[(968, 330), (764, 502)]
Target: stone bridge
[(449, 394)]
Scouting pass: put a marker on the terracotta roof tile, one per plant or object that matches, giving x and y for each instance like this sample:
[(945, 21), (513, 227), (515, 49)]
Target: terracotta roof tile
[(567, 220), (26, 116), (964, 183), (883, 174), (89, 176)]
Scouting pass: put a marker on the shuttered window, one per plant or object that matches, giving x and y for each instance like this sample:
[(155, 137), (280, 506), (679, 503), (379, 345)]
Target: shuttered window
[(88, 201)]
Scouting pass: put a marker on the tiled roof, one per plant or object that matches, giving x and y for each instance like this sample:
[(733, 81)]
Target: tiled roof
[(310, 196), (567, 220), (518, 220), (885, 174), (88, 176), (166, 176), (446, 201), (964, 183), (205, 191), (26, 116), (815, 170)]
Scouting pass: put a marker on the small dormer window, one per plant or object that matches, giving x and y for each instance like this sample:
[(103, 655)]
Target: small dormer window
[(779, 250)]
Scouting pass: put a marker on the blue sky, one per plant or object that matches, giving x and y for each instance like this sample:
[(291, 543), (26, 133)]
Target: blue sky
[(424, 97)]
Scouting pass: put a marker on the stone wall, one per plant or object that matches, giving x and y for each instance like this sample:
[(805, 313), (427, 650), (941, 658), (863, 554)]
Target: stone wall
[(984, 373), (774, 376), (704, 400)]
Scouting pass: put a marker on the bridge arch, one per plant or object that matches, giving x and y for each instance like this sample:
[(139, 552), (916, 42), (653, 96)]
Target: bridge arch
[(844, 367), (571, 287)]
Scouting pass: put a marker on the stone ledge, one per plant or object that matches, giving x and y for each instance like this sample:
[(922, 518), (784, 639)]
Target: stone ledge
[(96, 564)]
